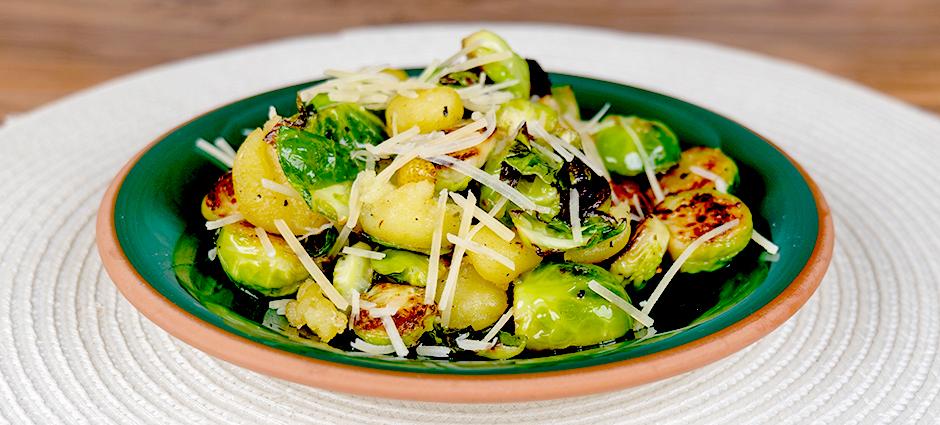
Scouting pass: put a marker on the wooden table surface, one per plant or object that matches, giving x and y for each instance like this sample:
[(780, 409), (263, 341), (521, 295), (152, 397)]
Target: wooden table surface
[(50, 48)]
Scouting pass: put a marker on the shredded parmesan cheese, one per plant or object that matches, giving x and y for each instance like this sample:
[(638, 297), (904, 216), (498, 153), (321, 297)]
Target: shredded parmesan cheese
[(674, 268), (636, 204), (615, 299), (280, 188), (279, 306), (213, 253), (647, 163), (322, 281), (474, 345), (488, 220), (450, 285), (272, 112), (432, 351), (490, 181), (364, 253), (265, 242), (222, 144), (434, 260), (224, 221), (365, 347), (314, 231), (472, 246), (765, 243), (385, 148), (574, 213), (394, 336), (720, 184), (557, 144), (498, 326), (216, 153)]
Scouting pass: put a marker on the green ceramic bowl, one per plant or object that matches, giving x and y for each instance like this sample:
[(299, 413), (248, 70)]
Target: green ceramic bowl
[(152, 201)]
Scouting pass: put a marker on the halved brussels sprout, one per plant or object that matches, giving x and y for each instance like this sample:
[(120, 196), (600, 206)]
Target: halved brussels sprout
[(555, 308), (316, 312), (412, 320), (507, 347), (220, 201), (513, 68), (681, 178), (607, 248), (255, 161), (691, 214), (555, 235), (353, 273), (406, 267), (247, 264), (644, 253), (332, 202), (511, 114), (406, 216), (477, 302), (619, 151), (439, 108), (523, 256)]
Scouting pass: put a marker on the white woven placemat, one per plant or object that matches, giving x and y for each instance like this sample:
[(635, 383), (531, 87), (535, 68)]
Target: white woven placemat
[(864, 349)]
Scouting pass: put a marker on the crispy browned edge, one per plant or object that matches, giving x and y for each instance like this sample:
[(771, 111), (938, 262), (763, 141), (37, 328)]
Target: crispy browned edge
[(456, 388)]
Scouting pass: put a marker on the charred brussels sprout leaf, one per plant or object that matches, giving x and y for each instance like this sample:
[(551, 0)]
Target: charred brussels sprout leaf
[(540, 84), (320, 244), (412, 319), (406, 267), (640, 262), (530, 161), (246, 262), (555, 235), (555, 308), (619, 151), (681, 177), (691, 214), (512, 68)]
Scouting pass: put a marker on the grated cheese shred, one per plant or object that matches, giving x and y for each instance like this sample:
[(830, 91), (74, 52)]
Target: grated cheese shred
[(280, 188), (469, 245), (720, 184), (322, 281), (365, 347), (394, 336), (615, 299), (450, 285), (364, 253), (498, 326), (490, 181), (265, 242), (765, 243), (488, 220), (574, 212), (224, 221), (674, 268), (218, 154), (647, 163), (434, 259), (432, 351)]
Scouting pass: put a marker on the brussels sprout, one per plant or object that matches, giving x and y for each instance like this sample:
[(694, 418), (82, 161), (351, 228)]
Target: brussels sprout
[(555, 308), (644, 253), (566, 101), (517, 111), (619, 151), (247, 264), (316, 312), (681, 178), (406, 267), (513, 68), (256, 161), (691, 214), (406, 217), (439, 108), (332, 201), (353, 273), (220, 201), (605, 248), (412, 319), (523, 256), (477, 303), (507, 347), (543, 194)]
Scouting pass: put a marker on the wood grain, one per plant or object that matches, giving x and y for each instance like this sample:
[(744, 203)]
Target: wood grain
[(50, 48)]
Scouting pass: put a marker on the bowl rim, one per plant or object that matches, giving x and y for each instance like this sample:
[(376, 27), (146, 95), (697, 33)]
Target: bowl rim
[(526, 386)]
